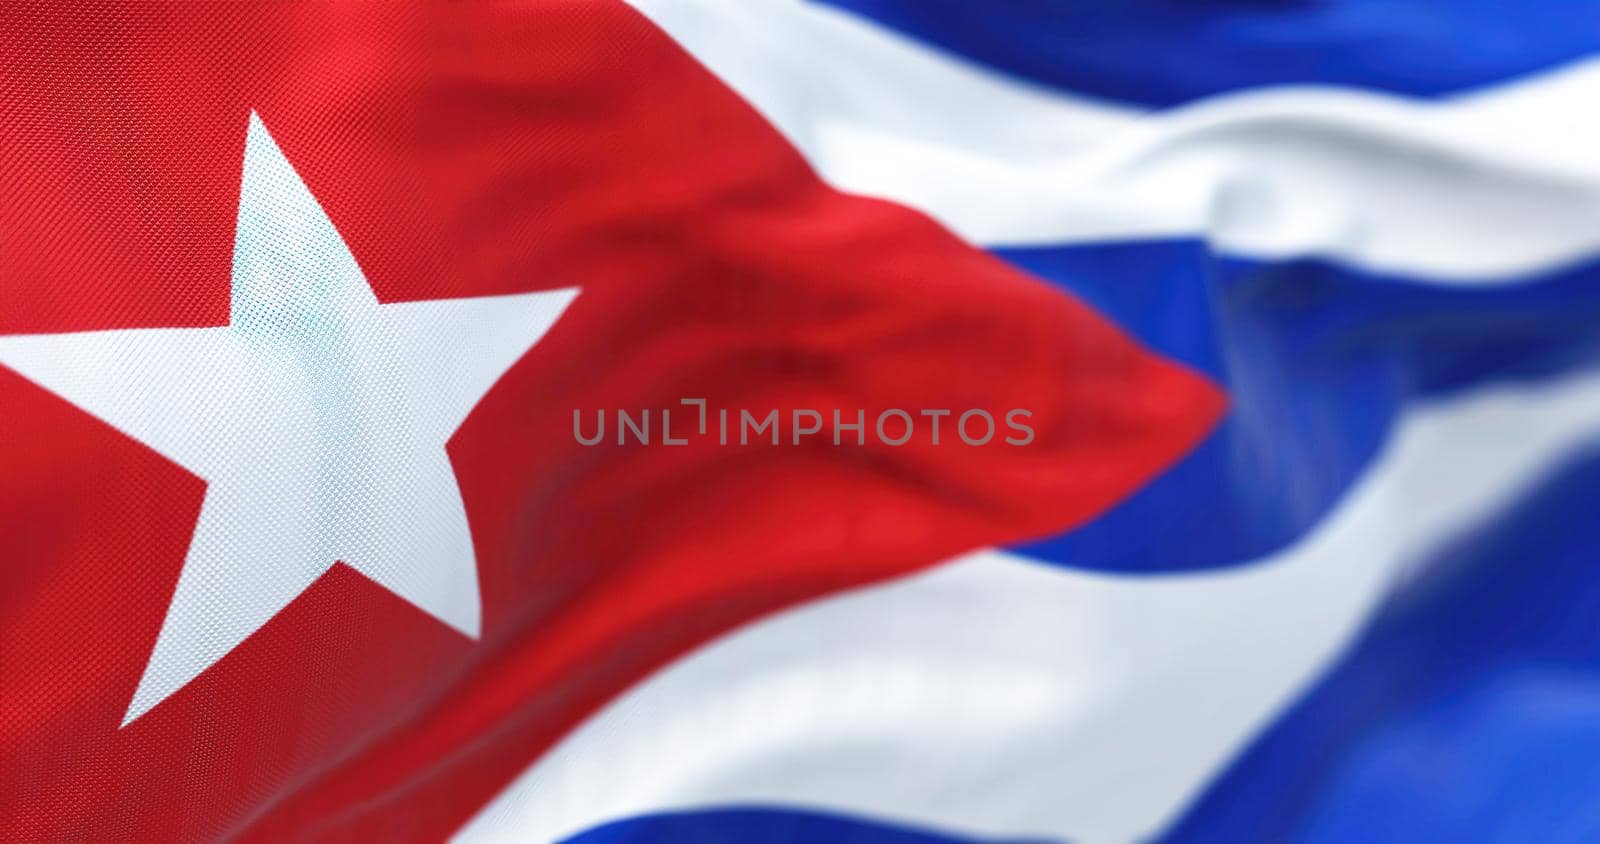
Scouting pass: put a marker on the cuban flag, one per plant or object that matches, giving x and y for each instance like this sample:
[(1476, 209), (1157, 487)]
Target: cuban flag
[(903, 421)]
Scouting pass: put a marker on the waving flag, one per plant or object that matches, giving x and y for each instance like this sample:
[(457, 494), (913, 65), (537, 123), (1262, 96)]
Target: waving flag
[(868, 420)]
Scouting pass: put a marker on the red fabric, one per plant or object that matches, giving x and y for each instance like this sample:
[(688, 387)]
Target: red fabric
[(462, 150)]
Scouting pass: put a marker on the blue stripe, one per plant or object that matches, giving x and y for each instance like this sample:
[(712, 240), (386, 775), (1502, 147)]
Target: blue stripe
[(1164, 52), (1470, 711), (756, 826), (1317, 360)]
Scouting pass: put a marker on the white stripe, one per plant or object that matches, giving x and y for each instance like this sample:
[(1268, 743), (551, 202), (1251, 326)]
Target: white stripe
[(1497, 184), (1000, 698), (811, 70)]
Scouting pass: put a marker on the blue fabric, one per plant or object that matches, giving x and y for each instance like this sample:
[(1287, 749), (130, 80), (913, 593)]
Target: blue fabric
[(756, 826), (1469, 711), (1164, 52), (1317, 360)]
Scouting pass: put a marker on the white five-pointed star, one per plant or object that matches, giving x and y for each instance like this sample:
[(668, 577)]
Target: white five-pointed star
[(317, 417)]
